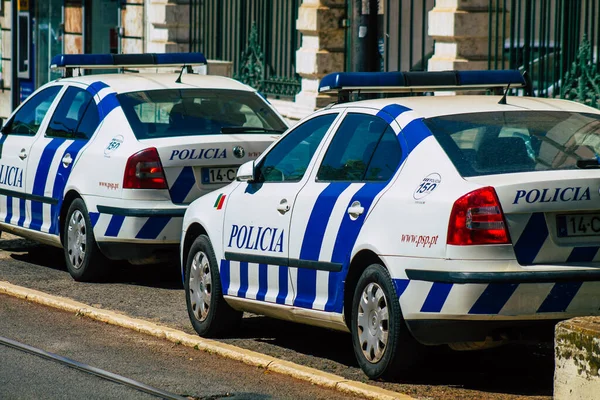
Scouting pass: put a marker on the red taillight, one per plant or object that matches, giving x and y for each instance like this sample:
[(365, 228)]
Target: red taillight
[(144, 171), (477, 218)]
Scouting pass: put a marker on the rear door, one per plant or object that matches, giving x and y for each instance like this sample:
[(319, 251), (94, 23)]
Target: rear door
[(256, 232), (330, 210), (54, 153), (202, 136)]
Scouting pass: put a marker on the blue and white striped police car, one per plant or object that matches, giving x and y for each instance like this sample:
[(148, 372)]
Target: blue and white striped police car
[(408, 221), (105, 165)]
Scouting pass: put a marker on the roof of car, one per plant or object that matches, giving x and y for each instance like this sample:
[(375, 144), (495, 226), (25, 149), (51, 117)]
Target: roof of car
[(131, 82), (433, 106)]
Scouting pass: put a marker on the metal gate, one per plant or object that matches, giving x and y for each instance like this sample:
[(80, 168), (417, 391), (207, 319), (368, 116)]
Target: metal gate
[(555, 41), (258, 36)]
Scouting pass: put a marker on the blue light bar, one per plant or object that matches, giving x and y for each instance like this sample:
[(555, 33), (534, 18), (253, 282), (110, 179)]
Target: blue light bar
[(380, 82), (107, 61)]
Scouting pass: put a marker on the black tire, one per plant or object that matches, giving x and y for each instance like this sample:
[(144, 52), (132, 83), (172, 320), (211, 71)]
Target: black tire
[(209, 314), (84, 260), (401, 352)]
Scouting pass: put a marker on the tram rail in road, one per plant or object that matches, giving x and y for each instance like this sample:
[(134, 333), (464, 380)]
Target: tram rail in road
[(88, 369)]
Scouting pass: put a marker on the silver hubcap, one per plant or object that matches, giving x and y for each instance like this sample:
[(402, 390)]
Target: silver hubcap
[(373, 322), (76, 239), (200, 287)]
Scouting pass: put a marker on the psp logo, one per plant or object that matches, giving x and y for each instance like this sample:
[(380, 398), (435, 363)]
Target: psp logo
[(113, 145), (428, 185)]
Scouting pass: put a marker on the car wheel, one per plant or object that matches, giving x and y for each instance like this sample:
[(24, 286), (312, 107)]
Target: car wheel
[(382, 343), (84, 260), (210, 315)]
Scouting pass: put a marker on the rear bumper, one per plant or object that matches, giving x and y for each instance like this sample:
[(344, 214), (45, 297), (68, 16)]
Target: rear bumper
[(504, 277), (436, 332)]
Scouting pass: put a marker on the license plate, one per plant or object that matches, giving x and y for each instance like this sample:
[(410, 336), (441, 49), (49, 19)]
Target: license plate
[(218, 175), (578, 225)]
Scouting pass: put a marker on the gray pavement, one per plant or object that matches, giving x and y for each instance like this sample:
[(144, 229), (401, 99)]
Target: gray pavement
[(155, 293)]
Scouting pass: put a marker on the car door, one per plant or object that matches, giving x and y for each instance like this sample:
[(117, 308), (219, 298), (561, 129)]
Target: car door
[(18, 136), (361, 159), (257, 216), (73, 122)]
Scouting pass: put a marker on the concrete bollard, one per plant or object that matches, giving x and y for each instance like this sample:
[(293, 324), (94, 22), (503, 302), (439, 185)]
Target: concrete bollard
[(577, 359)]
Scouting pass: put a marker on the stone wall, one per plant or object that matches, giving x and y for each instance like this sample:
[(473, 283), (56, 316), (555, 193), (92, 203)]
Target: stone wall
[(577, 353)]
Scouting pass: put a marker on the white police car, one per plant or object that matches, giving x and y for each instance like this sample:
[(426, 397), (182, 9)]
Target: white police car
[(409, 221), (105, 165)]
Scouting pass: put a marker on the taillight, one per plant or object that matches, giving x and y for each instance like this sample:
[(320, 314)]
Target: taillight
[(477, 218), (144, 171)]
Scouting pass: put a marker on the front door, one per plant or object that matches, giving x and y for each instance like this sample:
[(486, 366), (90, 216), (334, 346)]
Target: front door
[(18, 136), (257, 217)]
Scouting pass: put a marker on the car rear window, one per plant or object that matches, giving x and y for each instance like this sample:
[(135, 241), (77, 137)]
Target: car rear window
[(188, 112), (517, 141)]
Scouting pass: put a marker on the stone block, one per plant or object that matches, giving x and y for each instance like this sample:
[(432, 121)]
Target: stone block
[(133, 21), (577, 359), (318, 19), (451, 64), (131, 46), (5, 104), (6, 21), (221, 68), (461, 48), (452, 23), (317, 64), (467, 5)]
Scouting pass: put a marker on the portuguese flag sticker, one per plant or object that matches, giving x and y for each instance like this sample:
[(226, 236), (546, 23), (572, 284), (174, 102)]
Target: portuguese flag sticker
[(219, 202)]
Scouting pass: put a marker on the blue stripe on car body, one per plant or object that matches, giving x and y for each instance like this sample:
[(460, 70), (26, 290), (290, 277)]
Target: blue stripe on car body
[(493, 298), (263, 281), (114, 226), (313, 240), (437, 297), (22, 212), (182, 185), (243, 279), (40, 179), (560, 297), (532, 239), (283, 284), (225, 275), (153, 227), (9, 209)]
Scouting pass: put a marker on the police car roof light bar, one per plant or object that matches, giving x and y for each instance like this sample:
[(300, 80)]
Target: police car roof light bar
[(68, 62), (343, 83)]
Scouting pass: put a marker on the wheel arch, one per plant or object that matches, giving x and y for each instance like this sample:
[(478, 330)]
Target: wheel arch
[(70, 196), (193, 231), (359, 263)]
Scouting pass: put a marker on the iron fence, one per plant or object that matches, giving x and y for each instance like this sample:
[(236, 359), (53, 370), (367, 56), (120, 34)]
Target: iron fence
[(555, 41), (258, 36)]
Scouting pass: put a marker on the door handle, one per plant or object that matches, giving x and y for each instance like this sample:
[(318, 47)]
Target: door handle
[(283, 206), (67, 160), (355, 210), (23, 154)]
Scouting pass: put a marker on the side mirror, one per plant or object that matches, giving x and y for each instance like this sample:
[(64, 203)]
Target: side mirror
[(246, 172)]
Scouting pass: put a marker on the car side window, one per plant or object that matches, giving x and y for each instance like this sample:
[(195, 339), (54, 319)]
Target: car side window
[(76, 116), (365, 148), (28, 119), (289, 159)]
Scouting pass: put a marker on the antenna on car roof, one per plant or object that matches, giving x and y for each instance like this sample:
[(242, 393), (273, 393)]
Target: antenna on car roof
[(188, 69), (503, 99)]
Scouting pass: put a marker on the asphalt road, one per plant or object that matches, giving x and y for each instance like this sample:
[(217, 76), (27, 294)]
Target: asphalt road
[(155, 293), (160, 364)]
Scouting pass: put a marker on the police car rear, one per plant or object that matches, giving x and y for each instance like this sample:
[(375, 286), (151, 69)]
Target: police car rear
[(108, 163)]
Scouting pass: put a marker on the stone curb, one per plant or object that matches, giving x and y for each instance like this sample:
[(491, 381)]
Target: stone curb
[(249, 357)]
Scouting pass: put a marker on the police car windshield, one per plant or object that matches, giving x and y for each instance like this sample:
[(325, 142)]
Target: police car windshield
[(517, 141), (189, 112)]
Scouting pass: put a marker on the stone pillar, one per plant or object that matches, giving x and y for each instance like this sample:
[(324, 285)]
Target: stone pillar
[(577, 359), (322, 51), (168, 26), (460, 29), (5, 91)]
